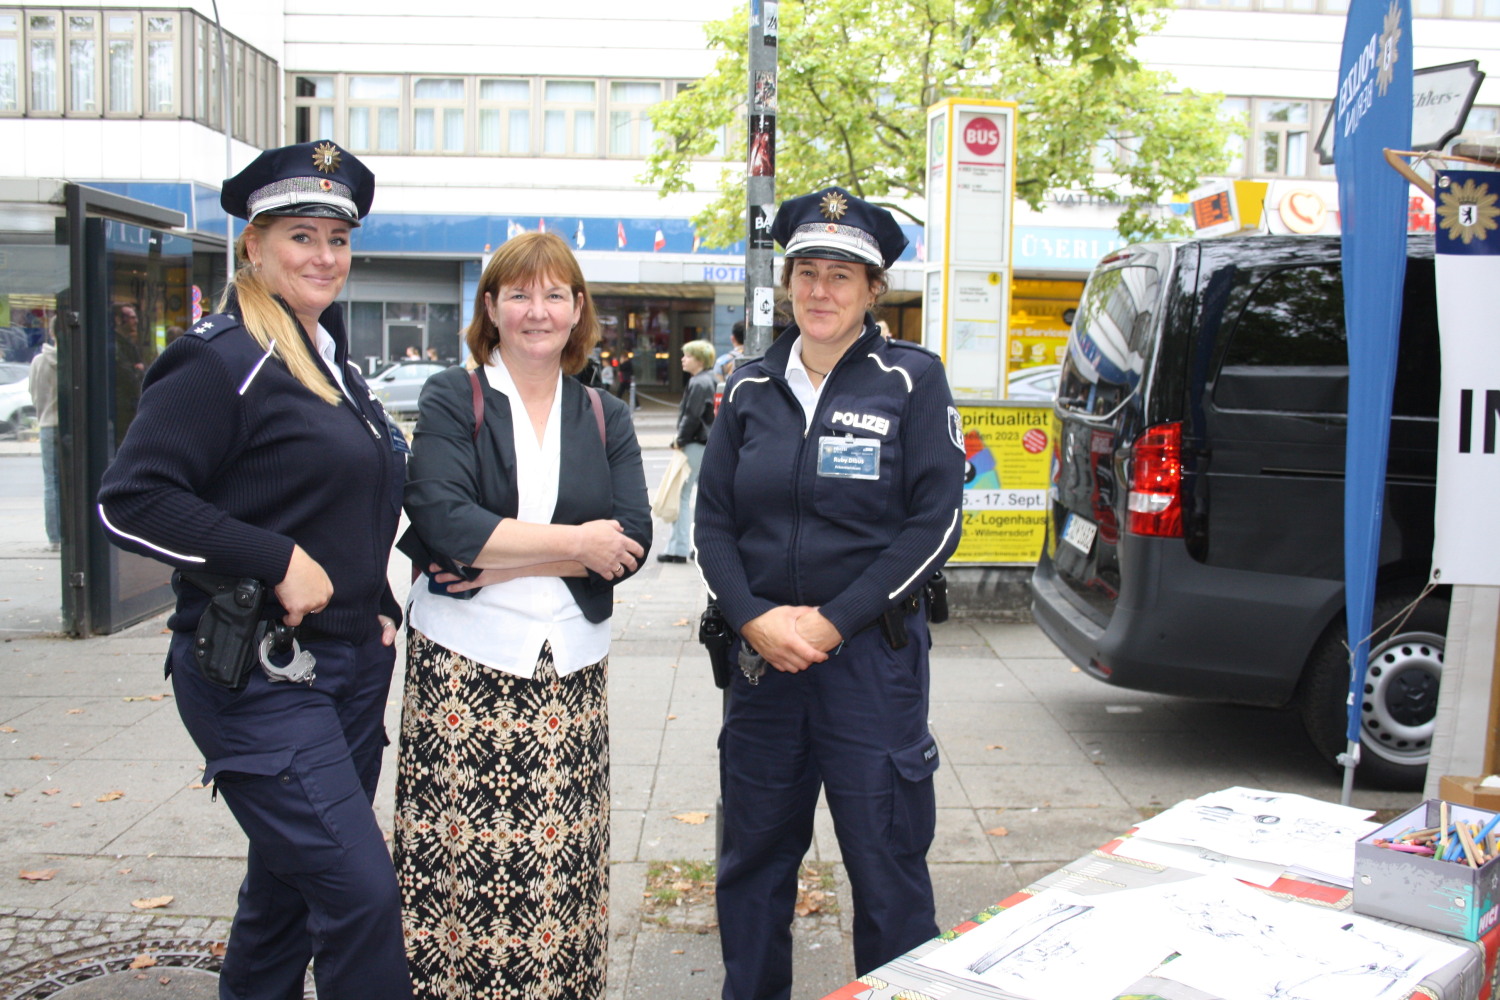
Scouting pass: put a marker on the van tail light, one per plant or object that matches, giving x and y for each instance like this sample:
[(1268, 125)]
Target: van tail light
[(1155, 502)]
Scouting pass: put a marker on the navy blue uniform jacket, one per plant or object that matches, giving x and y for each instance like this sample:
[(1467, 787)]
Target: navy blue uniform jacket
[(230, 461), (771, 531), (458, 489)]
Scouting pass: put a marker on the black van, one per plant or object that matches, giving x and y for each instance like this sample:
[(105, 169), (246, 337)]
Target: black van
[(1195, 537)]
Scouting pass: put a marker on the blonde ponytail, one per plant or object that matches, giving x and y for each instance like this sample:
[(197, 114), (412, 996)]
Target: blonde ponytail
[(268, 322)]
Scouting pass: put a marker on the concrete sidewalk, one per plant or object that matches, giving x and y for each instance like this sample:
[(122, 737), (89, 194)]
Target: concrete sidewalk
[(101, 786)]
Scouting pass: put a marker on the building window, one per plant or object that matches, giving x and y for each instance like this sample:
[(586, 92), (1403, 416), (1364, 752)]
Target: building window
[(630, 103), (1482, 120), (1236, 110), (1114, 151), (234, 51), (45, 83), (10, 62), (122, 43), (312, 108), (124, 63), (83, 63), (505, 116), (437, 115), (161, 63), (568, 117), (374, 114), (1281, 138), (207, 71)]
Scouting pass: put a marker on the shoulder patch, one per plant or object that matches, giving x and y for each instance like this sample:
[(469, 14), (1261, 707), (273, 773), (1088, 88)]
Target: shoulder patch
[(956, 429), (210, 327)]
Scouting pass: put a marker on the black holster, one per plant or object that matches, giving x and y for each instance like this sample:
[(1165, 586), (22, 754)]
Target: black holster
[(937, 597), (893, 626), (226, 644), (716, 635)]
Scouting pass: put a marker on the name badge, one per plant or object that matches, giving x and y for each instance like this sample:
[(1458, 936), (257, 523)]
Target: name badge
[(848, 458)]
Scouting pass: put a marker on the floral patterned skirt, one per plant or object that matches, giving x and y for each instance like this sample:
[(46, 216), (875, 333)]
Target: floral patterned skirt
[(502, 828)]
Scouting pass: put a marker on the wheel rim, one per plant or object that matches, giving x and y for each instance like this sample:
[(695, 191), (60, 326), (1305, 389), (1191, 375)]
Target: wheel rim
[(1400, 698)]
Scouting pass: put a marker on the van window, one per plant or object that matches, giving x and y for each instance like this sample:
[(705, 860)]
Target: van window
[(1289, 350), (1295, 317), (1111, 339)]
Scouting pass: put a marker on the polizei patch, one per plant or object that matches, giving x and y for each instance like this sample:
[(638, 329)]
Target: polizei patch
[(862, 421)]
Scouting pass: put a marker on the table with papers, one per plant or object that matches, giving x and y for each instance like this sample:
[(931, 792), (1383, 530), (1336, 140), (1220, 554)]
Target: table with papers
[(1238, 895)]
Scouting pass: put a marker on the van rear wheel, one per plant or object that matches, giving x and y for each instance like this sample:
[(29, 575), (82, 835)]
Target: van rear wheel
[(1399, 707)]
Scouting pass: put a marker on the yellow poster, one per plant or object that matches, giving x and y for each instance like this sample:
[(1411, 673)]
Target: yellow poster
[(1009, 452)]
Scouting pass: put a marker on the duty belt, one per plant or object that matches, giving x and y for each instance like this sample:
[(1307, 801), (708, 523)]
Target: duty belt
[(892, 621)]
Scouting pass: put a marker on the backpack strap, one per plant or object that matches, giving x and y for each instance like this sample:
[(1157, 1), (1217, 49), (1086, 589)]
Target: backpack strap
[(478, 402), (598, 414)]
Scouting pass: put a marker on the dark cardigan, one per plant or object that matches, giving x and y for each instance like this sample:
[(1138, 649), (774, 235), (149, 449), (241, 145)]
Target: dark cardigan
[(459, 488)]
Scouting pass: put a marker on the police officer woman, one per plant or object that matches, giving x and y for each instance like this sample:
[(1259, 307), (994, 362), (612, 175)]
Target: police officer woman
[(260, 466), (831, 491)]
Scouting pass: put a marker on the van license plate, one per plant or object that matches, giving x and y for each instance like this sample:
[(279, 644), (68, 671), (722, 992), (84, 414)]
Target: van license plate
[(1079, 532)]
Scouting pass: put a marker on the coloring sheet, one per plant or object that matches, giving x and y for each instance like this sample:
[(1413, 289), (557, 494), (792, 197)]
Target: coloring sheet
[(1271, 827), (1055, 946), (1229, 941), (1242, 943)]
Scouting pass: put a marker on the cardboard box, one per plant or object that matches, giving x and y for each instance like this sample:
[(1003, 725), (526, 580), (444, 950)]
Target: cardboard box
[(1466, 792), (1445, 896)]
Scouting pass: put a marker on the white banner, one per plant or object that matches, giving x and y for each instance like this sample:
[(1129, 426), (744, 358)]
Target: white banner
[(1466, 549)]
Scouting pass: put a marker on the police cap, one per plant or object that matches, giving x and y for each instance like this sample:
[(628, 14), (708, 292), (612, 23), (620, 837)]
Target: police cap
[(833, 224), (316, 179)]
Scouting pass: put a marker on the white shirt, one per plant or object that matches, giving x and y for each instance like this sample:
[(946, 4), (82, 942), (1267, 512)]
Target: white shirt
[(328, 354), (801, 383), (504, 625)]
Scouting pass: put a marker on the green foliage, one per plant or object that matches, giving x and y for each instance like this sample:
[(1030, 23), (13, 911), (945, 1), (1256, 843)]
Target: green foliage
[(856, 77)]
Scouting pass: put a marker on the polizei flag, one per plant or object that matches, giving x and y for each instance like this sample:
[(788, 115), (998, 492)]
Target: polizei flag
[(1373, 114), (1465, 549)]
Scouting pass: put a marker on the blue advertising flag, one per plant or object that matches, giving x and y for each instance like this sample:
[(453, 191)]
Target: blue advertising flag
[(1373, 114)]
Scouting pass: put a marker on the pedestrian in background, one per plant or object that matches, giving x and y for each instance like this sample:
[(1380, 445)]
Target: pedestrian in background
[(526, 496), (724, 363), (42, 384), (626, 373), (259, 461), (832, 490), (695, 415)]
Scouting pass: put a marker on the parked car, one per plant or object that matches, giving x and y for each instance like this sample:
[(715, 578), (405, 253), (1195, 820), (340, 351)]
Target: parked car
[(1195, 536), (1039, 382), (398, 384), (16, 411)]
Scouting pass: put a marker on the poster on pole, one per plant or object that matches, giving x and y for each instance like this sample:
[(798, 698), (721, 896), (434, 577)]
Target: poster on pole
[(1008, 455), (977, 308), (1468, 271)]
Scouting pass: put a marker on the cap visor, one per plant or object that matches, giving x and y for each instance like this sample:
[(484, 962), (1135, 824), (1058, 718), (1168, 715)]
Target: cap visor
[(311, 211), (821, 252)]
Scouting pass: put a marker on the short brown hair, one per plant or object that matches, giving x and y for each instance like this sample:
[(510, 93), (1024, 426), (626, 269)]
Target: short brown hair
[(519, 262)]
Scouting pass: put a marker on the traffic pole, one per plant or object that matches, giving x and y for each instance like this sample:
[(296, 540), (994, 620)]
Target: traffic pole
[(760, 183)]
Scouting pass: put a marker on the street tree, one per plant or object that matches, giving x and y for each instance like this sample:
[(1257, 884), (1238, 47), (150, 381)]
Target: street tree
[(856, 78)]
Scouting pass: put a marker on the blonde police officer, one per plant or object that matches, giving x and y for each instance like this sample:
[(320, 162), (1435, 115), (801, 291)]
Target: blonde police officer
[(260, 460)]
